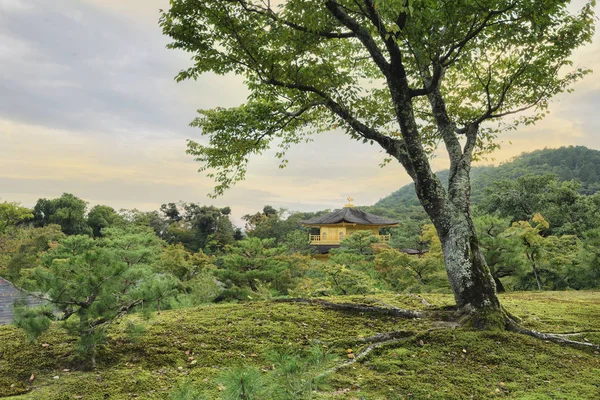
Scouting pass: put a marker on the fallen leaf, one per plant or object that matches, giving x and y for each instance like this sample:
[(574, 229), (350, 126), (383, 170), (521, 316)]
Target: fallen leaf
[(350, 355)]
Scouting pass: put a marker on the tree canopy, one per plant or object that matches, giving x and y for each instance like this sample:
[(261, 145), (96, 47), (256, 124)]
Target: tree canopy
[(318, 65), (409, 75), (68, 211)]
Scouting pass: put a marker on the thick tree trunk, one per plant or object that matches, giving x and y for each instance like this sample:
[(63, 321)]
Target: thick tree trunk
[(471, 281), (470, 278)]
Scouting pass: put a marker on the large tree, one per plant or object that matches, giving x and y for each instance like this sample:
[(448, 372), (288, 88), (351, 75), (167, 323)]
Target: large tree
[(68, 211), (408, 75)]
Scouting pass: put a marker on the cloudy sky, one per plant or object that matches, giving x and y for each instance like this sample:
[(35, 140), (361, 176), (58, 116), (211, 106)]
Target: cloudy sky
[(88, 105)]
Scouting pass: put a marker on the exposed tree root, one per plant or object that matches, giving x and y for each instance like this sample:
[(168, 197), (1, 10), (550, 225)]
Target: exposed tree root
[(394, 311), (383, 303), (381, 340), (421, 299), (396, 337), (574, 333), (555, 338), (511, 324), (376, 341)]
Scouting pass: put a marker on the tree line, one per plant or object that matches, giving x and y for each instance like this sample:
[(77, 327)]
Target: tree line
[(95, 265)]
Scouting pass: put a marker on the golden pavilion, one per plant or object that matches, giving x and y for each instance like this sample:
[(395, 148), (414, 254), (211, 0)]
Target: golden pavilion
[(335, 226)]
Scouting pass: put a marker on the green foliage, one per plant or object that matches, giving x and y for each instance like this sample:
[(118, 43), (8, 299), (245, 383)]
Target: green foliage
[(243, 383), (134, 331), (252, 263), (566, 210), (68, 211), (504, 253), (307, 71), (211, 226), (12, 214), (297, 242), (566, 163), (20, 249), (344, 280), (33, 320), (92, 282), (414, 273), (177, 261), (360, 242), (297, 375), (589, 277), (203, 288), (280, 225), (185, 390), (159, 289), (196, 227), (101, 217)]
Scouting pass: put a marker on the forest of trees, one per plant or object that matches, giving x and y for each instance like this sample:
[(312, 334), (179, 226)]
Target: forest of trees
[(537, 232)]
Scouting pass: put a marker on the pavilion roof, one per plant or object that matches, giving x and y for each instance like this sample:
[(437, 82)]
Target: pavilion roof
[(349, 215)]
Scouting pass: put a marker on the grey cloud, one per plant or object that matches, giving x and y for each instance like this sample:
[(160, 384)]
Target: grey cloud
[(85, 69)]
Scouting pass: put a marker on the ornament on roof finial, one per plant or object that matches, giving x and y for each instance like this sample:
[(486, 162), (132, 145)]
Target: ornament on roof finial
[(350, 199)]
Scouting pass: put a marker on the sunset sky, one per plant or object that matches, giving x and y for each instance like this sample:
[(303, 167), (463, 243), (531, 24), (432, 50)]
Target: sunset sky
[(88, 105)]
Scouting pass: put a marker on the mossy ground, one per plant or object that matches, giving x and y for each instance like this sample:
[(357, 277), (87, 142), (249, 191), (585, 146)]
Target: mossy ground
[(437, 364)]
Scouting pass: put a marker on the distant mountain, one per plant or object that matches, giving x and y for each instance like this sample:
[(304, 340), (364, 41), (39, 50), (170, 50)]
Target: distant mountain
[(567, 163)]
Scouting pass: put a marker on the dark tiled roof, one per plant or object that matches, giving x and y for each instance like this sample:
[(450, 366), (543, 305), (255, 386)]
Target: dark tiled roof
[(351, 216), (8, 295)]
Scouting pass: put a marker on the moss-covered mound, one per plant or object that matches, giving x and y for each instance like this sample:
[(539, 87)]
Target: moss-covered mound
[(435, 361)]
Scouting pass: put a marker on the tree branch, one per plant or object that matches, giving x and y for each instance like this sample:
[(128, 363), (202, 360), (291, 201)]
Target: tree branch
[(269, 13), (473, 31), (361, 33), (388, 38), (393, 146)]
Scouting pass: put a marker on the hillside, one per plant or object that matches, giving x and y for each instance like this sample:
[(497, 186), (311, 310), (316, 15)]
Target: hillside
[(429, 360), (573, 162)]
